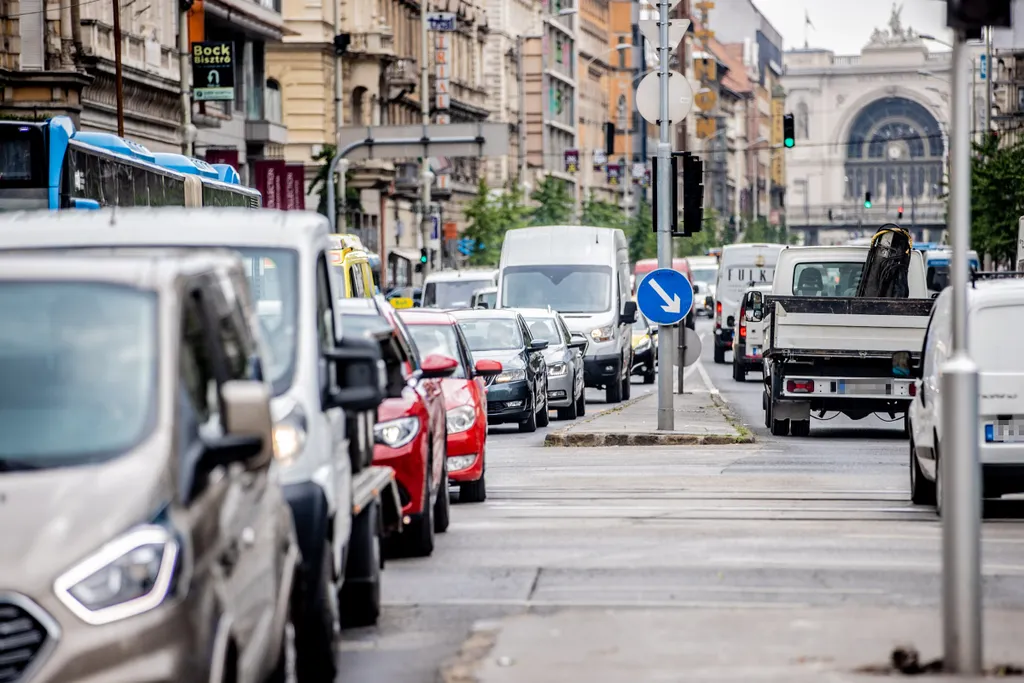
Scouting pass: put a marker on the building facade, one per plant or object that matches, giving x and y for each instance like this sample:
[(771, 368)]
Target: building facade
[(869, 123)]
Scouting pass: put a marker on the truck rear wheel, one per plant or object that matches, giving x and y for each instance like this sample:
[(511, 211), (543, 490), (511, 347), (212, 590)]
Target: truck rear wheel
[(800, 428), (738, 372), (360, 593), (316, 624), (780, 427)]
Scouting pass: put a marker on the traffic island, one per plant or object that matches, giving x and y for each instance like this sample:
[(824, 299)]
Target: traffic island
[(701, 419)]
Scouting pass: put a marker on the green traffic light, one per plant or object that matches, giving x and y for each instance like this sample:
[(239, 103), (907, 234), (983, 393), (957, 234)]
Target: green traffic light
[(867, 205), (423, 259), (790, 142)]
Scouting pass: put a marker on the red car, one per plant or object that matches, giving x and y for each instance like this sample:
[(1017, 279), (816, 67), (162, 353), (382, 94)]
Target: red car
[(410, 432), (465, 397)]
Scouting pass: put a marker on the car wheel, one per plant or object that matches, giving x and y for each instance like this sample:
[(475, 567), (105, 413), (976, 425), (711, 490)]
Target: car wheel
[(475, 491), (649, 374), (938, 479), (443, 504), (613, 392), (581, 403), (529, 424), (418, 535), (738, 373), (922, 490), (569, 412), (627, 388), (317, 625), (360, 594), (284, 671), (719, 354), (544, 414)]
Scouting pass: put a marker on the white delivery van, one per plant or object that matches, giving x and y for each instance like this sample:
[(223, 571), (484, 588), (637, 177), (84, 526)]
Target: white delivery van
[(704, 274), (996, 311), (742, 266), (583, 273), (454, 288)]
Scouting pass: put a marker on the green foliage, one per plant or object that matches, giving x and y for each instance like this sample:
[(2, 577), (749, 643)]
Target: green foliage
[(603, 215), (319, 185), (698, 245), (643, 243), (555, 204), (997, 198), (760, 231), (489, 216)]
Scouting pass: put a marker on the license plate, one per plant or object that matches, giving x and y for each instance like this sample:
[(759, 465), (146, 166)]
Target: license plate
[(755, 351), (862, 387), (1005, 431)]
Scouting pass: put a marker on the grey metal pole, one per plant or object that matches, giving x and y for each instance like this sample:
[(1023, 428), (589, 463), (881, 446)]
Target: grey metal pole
[(988, 83), (666, 186), (959, 468), (184, 49), (681, 368), (627, 187), (521, 120), (339, 121), (426, 177)]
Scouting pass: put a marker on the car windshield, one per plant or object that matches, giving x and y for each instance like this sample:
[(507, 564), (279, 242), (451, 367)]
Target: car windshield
[(355, 324), (567, 289), (452, 293), (705, 275), (78, 371), (826, 279), (545, 328), (273, 277), (492, 334), (438, 339), (488, 298)]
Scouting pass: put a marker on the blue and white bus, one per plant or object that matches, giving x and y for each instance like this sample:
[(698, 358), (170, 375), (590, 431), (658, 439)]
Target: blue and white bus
[(51, 165)]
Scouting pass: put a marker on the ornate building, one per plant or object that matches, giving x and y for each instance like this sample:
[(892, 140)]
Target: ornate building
[(869, 123)]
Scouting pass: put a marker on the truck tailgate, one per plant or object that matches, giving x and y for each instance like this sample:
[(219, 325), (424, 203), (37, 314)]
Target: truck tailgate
[(847, 325)]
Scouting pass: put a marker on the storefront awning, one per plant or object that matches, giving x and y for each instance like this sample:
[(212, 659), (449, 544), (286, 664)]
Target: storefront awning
[(403, 253)]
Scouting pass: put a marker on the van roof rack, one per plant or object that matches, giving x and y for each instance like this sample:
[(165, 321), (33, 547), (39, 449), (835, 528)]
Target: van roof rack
[(995, 275)]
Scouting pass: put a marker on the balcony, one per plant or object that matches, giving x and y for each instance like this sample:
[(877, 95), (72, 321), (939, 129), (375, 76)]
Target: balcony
[(373, 43), (265, 132), (402, 73), (145, 56)]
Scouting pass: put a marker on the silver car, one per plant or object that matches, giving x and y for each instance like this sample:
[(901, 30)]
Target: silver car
[(564, 358)]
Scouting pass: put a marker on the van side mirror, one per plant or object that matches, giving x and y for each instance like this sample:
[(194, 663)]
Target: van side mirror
[(901, 364), (753, 305), (628, 316), (359, 374), (696, 288)]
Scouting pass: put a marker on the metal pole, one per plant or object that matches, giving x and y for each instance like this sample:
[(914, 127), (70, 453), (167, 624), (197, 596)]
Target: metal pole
[(666, 185), (521, 77), (681, 369), (628, 185), (117, 68), (426, 177), (183, 71), (974, 99), (988, 83), (339, 121), (959, 468)]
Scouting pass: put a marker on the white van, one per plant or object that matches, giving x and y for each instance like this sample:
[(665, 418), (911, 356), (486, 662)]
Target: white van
[(583, 273), (704, 274), (742, 266), (454, 288), (996, 311)]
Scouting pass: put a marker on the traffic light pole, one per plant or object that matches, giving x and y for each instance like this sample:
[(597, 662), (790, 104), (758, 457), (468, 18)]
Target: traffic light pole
[(666, 224)]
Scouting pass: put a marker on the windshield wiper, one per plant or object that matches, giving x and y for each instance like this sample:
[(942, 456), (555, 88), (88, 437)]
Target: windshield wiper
[(11, 465)]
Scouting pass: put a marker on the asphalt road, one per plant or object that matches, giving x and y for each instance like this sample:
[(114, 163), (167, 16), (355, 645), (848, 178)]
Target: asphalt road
[(823, 520)]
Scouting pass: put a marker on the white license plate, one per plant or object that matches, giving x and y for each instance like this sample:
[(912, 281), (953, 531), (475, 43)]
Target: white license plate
[(755, 351), (1005, 431), (858, 387)]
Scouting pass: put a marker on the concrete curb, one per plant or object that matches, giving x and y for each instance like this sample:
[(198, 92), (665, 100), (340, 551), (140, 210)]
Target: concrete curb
[(462, 667)]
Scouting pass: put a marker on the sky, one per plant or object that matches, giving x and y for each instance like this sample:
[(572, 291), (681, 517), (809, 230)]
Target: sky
[(845, 26)]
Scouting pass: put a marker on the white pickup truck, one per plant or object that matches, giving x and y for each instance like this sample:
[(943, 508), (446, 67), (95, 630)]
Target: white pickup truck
[(828, 350)]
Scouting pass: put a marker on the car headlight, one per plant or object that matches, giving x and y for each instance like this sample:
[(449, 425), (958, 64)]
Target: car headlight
[(125, 578), (460, 418), (643, 344), (510, 376), (602, 334), (289, 437), (396, 433), (559, 369)]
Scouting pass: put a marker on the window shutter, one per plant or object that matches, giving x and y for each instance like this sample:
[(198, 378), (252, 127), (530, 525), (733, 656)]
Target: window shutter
[(32, 23)]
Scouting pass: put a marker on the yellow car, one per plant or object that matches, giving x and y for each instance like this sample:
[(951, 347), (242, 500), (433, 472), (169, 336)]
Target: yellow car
[(348, 253), (645, 349)]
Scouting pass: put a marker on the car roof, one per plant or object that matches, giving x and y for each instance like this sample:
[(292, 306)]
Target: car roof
[(495, 313), (537, 312), (358, 306), (425, 316), (467, 274)]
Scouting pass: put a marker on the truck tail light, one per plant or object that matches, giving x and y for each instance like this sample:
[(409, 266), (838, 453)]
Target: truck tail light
[(913, 389), (800, 386), (743, 331), (718, 314)]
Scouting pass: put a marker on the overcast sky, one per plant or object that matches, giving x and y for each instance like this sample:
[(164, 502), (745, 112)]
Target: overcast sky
[(845, 26)]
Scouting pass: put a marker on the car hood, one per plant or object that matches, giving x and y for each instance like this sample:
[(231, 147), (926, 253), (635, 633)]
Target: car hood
[(508, 359), (456, 392), (54, 518)]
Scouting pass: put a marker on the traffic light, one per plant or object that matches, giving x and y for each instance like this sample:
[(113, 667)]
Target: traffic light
[(693, 194), (867, 200), (830, 215), (341, 43), (424, 255), (609, 138), (973, 15), (788, 131), (899, 212)]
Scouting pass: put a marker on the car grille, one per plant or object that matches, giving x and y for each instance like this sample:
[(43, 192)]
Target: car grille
[(23, 639)]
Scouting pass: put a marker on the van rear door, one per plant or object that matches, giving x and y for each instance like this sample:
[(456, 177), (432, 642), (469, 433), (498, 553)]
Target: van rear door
[(995, 332)]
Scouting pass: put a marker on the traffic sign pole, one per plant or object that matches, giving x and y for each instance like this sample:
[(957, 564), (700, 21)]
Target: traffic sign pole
[(666, 414)]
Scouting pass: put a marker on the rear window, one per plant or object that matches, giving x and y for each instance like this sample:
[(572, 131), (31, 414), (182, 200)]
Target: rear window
[(826, 278), (995, 335)]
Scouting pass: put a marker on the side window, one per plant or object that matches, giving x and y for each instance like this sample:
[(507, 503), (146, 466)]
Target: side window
[(235, 334), (464, 349), (324, 306), (527, 337), (407, 348), (355, 282), (198, 379), (564, 330)]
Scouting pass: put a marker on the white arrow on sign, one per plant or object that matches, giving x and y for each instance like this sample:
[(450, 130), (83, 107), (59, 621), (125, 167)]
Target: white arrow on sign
[(648, 97), (672, 304), (213, 78), (676, 30)]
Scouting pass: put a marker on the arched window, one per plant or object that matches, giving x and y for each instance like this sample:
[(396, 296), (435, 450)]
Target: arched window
[(359, 106), (803, 123), (273, 102)]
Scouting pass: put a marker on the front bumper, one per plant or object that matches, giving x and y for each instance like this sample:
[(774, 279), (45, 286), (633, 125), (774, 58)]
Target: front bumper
[(600, 371), (410, 465), (560, 390), (643, 361), (509, 402), (467, 444)]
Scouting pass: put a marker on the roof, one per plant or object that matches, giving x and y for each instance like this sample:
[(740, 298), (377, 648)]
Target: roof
[(496, 313), (736, 78), (425, 316), (169, 225), (468, 274), (537, 312), (357, 306)]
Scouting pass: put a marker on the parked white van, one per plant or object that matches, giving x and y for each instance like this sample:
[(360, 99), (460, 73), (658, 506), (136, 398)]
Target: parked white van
[(583, 273), (996, 311), (742, 266), (455, 288)]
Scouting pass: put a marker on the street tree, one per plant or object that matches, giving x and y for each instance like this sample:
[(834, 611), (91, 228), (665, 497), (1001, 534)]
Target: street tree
[(602, 214), (997, 202), (319, 185), (491, 213), (554, 203), (643, 242)]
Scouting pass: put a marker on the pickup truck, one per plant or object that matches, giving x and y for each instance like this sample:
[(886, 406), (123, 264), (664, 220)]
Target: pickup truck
[(828, 350)]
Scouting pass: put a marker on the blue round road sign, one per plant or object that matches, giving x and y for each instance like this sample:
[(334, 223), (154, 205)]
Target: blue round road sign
[(664, 296)]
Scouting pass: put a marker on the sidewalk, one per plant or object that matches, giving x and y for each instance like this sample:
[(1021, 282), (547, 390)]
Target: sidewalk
[(701, 418), (844, 645)]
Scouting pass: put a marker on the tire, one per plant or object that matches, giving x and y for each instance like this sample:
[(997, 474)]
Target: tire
[(939, 494), (800, 428), (569, 412), (613, 392), (418, 536), (529, 425), (649, 375), (581, 403), (738, 373), (474, 491), (627, 388), (544, 414), (922, 491), (359, 598), (906, 425), (780, 427), (316, 626), (719, 354), (443, 503)]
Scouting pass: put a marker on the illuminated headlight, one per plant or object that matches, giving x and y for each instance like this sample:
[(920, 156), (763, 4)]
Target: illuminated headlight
[(396, 433), (460, 419), (602, 334), (125, 578), (559, 369), (289, 437), (510, 376), (643, 344)]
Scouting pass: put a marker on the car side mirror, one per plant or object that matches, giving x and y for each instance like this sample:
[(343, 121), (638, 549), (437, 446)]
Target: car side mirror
[(487, 368), (538, 345), (901, 364), (628, 316), (436, 366), (578, 341), (247, 416), (696, 288), (359, 374)]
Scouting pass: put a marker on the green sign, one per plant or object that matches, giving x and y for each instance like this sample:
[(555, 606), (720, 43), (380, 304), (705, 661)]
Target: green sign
[(213, 71)]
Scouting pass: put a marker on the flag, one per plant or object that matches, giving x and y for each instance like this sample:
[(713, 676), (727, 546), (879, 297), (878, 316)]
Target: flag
[(807, 19)]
